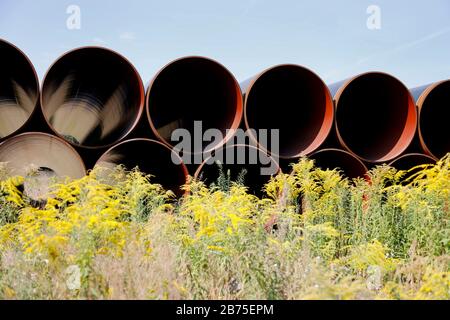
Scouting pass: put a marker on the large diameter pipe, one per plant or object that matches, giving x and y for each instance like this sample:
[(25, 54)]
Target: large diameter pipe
[(293, 100), (151, 157), (344, 161), (411, 160), (433, 104), (92, 97), (410, 163), (194, 89), (376, 118), (249, 164), (19, 89), (42, 159), (37, 150)]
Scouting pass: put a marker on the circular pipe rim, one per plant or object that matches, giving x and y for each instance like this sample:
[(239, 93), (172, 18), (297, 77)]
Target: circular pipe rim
[(51, 136), (182, 164), (141, 95), (239, 107), (413, 154), (353, 156), (200, 167), (411, 104), (38, 91), (329, 108), (420, 101)]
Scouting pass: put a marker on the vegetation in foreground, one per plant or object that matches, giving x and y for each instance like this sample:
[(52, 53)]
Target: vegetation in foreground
[(314, 235)]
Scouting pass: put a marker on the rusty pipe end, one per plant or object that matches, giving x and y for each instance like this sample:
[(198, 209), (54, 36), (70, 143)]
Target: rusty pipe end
[(239, 162), (294, 100), (19, 89), (376, 117), (434, 111), (408, 163), (151, 157), (92, 97), (193, 89), (411, 160), (350, 165), (41, 151)]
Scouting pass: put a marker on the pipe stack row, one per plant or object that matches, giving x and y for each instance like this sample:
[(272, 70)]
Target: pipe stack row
[(92, 108)]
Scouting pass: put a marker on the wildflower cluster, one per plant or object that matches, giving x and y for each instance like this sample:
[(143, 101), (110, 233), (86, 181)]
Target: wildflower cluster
[(314, 235)]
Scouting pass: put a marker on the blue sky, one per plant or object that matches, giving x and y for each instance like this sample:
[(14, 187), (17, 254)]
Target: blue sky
[(247, 36)]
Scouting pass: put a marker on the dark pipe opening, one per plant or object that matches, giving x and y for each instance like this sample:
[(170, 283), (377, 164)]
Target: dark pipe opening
[(194, 89), (342, 160), (433, 120), (151, 157), (295, 101), (411, 160), (375, 117), (19, 89), (36, 153), (238, 163), (92, 97)]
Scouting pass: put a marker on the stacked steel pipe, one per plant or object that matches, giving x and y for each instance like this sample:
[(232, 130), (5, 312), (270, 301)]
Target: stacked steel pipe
[(92, 109)]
